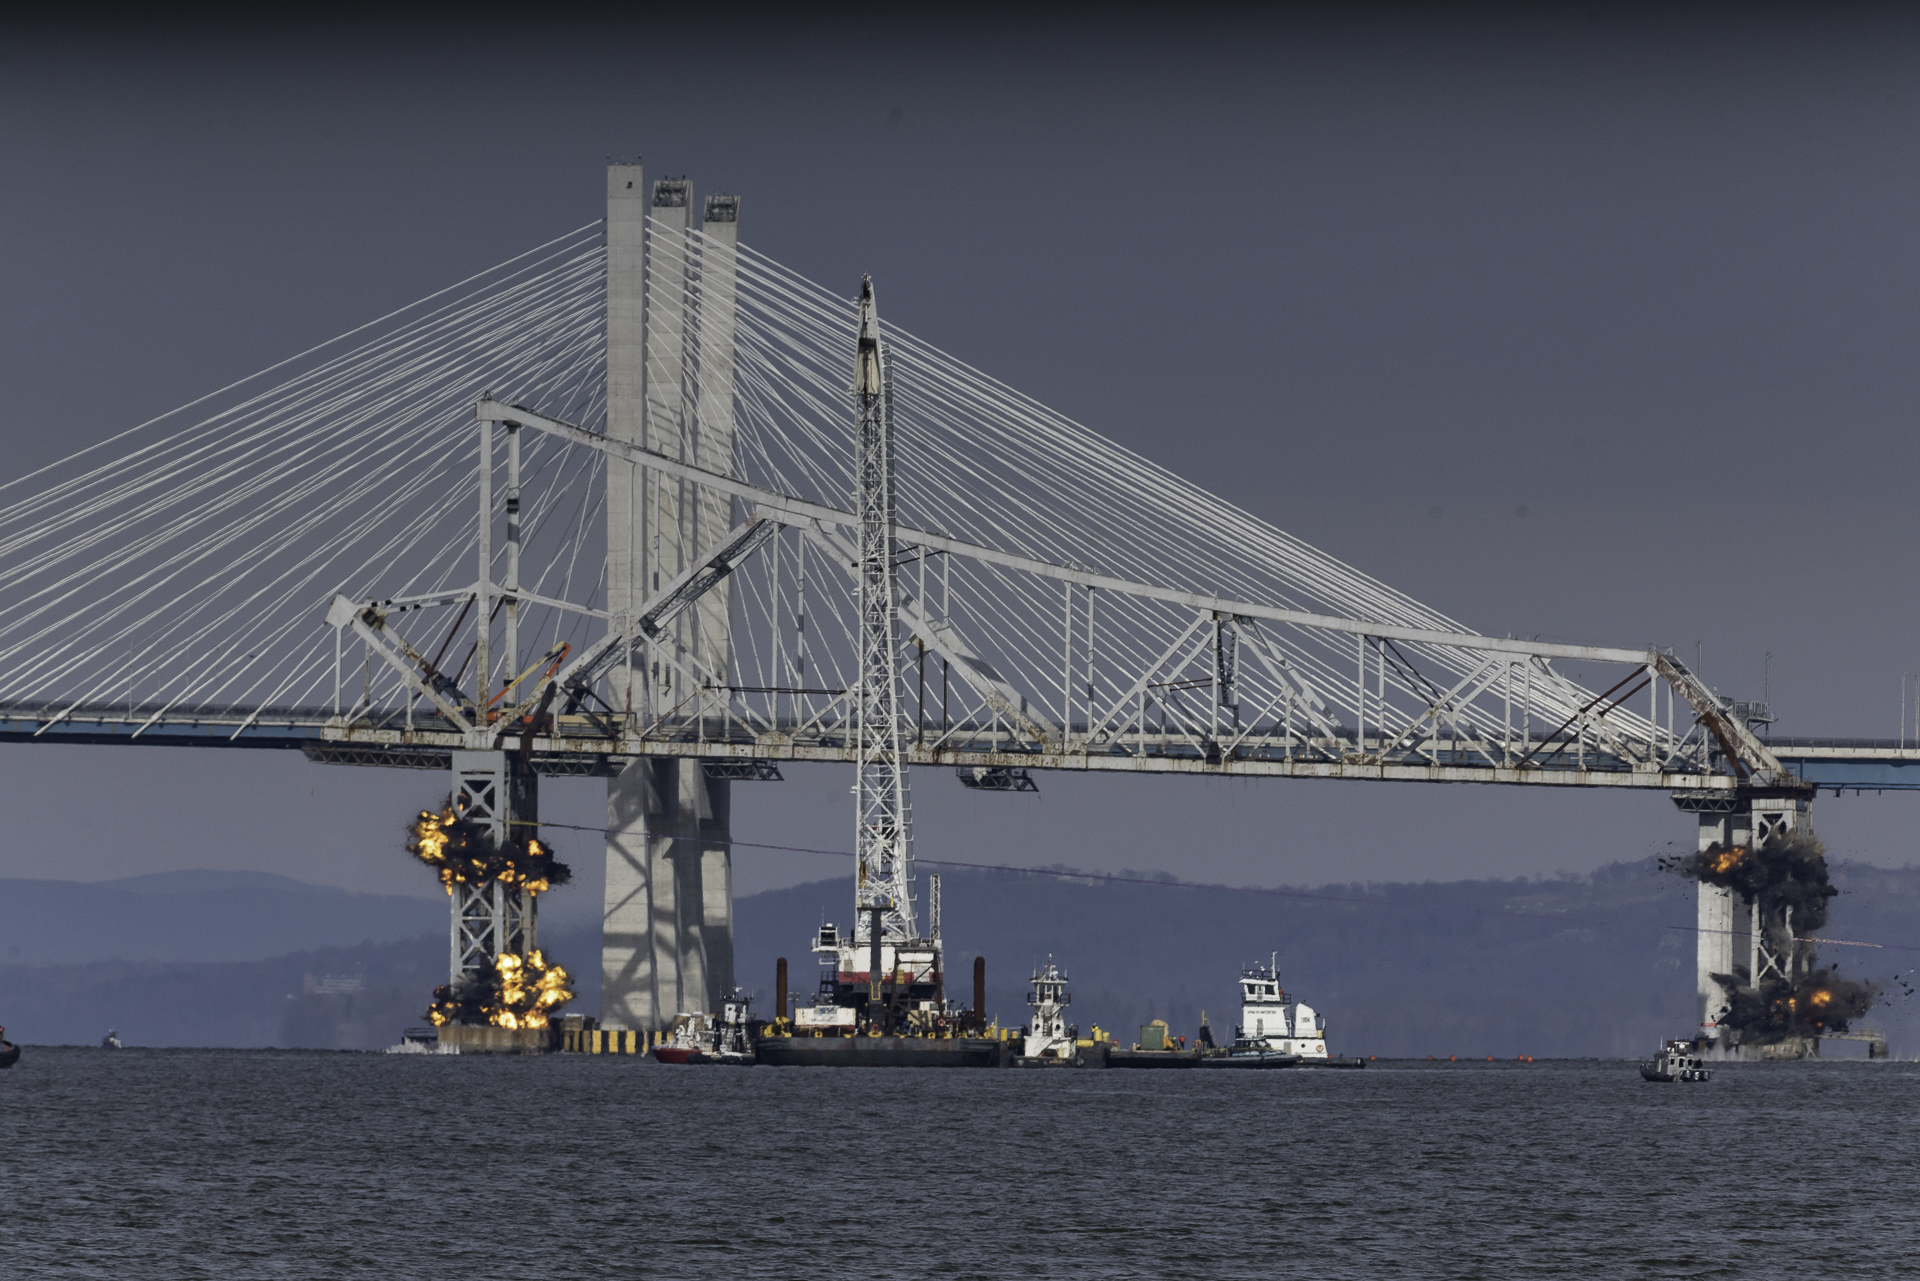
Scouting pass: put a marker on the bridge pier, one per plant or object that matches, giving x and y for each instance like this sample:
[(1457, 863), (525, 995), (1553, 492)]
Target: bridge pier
[(494, 790), (667, 936), (667, 931), (1730, 938), (1728, 822)]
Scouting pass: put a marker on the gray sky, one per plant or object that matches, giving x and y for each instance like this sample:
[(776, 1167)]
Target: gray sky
[(1653, 280)]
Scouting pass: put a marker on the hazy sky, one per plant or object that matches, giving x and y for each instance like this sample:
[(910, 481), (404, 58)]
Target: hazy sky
[(1597, 328)]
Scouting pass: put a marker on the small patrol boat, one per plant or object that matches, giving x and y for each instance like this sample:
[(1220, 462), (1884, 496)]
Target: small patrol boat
[(1250, 1054), (1675, 1062), (711, 1038), (9, 1052), (111, 1041)]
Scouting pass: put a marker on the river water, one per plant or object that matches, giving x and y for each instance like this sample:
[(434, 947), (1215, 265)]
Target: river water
[(225, 1163)]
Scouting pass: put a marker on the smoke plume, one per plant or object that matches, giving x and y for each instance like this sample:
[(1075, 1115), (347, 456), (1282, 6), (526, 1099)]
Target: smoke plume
[(1782, 874), (1819, 1004), (1788, 880)]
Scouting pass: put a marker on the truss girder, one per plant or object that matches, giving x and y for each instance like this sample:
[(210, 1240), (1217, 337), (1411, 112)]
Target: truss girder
[(1507, 708), (1043, 599), (707, 573), (1146, 681)]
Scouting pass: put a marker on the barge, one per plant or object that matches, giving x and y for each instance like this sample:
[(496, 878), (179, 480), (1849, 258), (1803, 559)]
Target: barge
[(879, 1050), (1156, 1048), (882, 1002)]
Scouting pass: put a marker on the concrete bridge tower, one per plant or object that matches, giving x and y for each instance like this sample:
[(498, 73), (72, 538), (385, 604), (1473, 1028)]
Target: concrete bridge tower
[(667, 934)]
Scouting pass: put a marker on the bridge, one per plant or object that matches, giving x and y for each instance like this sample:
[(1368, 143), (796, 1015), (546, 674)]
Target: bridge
[(643, 503)]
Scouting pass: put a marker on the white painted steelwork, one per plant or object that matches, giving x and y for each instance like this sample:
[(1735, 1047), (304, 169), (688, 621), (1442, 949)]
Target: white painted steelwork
[(1063, 604), (492, 919)]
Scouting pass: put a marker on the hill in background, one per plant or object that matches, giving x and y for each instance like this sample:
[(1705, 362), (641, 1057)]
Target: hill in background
[(1570, 967), (197, 916)]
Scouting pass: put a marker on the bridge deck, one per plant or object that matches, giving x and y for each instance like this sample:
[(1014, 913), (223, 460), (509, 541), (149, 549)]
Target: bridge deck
[(1836, 763)]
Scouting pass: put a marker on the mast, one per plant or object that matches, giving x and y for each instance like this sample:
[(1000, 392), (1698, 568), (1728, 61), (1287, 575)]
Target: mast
[(883, 814)]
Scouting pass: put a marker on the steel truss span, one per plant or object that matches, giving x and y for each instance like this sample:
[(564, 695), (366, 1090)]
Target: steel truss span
[(398, 551)]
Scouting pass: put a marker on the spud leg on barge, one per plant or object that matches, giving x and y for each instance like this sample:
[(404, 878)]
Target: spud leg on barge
[(883, 1051)]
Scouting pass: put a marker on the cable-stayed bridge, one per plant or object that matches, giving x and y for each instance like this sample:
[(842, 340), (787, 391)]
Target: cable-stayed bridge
[(645, 503)]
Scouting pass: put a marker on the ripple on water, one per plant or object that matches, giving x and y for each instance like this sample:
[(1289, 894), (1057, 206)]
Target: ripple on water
[(184, 1163)]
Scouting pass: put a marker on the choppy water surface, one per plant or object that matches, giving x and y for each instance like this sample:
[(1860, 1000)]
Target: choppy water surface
[(287, 1164)]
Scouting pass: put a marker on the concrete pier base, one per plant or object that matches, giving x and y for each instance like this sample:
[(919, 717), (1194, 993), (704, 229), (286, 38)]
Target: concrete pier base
[(667, 935), (496, 1040)]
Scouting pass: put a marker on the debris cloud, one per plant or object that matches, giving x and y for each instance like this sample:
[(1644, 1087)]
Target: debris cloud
[(1819, 1004), (1783, 874), (1788, 880)]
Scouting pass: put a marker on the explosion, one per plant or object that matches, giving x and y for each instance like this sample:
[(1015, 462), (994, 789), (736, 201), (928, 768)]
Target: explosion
[(1721, 864), (1782, 874), (518, 992), (529, 989), (1788, 879), (1819, 1004), (462, 853)]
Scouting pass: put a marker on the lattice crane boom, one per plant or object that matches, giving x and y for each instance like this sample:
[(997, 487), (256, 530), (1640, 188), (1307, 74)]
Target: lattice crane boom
[(882, 810)]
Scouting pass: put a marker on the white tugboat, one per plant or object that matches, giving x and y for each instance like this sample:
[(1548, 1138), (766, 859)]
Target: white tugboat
[(1050, 1039), (1275, 1031), (1271, 1023), (1675, 1062)]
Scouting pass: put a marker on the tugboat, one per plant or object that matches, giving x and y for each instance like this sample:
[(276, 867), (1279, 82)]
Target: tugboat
[(1675, 1062), (1276, 1031), (9, 1052), (711, 1038), (1050, 1040), (1270, 1023)]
